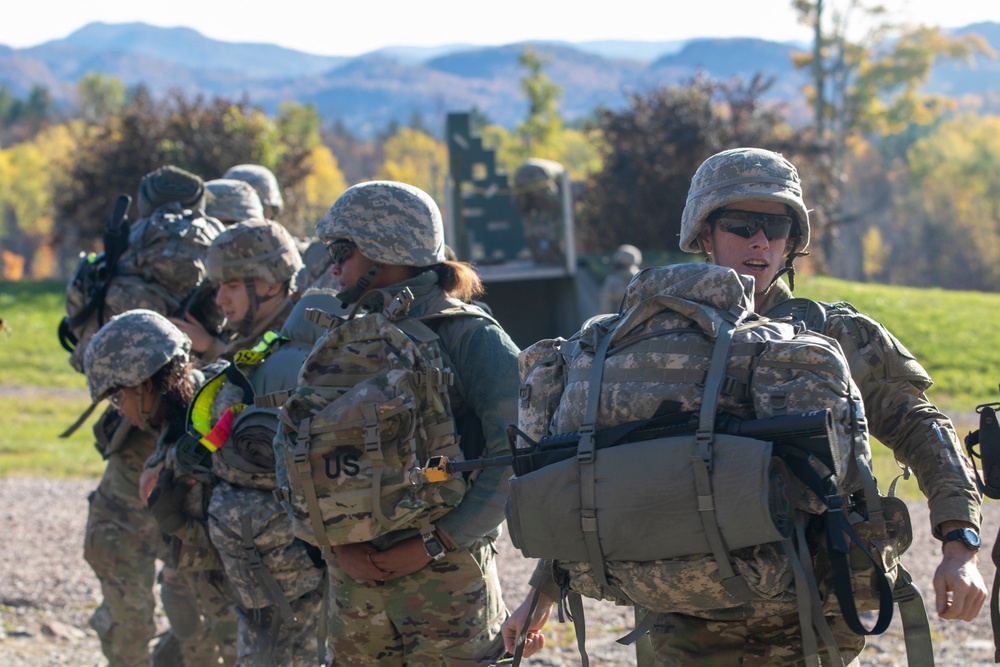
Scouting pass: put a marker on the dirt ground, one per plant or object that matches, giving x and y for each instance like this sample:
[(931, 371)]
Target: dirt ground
[(47, 591)]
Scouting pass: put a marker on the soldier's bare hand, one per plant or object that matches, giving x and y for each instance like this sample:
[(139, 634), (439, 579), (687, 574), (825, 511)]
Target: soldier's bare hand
[(355, 560), (402, 558), (201, 339), (534, 640), (148, 480), (959, 589)]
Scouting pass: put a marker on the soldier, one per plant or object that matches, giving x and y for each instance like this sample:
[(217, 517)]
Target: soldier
[(230, 201), (626, 260), (254, 264), (264, 182), (403, 599), (122, 540), (139, 362), (745, 211)]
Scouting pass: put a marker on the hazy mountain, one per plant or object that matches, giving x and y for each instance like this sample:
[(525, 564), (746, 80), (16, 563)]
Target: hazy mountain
[(391, 84)]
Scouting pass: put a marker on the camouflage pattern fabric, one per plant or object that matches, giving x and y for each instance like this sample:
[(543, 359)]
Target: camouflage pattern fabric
[(390, 222), (659, 357), (262, 180), (229, 201), (893, 385), (738, 175), (769, 641), (267, 641), (254, 249), (204, 624), (448, 613), (371, 405), (130, 349), (538, 198), (122, 543), (265, 637)]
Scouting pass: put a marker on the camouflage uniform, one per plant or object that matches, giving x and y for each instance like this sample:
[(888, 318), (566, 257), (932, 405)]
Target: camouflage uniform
[(451, 610), (892, 384), (538, 198), (122, 543), (276, 586), (122, 540), (126, 352), (626, 260)]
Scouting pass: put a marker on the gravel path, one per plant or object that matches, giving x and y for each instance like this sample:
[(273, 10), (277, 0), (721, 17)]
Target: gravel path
[(47, 591)]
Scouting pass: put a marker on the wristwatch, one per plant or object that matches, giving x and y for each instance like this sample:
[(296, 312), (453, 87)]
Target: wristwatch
[(967, 536), (433, 545)]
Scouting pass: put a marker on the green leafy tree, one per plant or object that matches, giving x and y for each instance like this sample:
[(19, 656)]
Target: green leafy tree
[(653, 146), (952, 208), (540, 132), (99, 95), (867, 85)]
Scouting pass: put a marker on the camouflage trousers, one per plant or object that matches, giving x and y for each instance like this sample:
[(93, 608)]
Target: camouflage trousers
[(201, 616), (122, 544), (687, 641), (448, 613), (262, 560)]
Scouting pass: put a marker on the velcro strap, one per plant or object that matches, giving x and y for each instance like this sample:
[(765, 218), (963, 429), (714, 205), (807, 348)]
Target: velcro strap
[(321, 317)]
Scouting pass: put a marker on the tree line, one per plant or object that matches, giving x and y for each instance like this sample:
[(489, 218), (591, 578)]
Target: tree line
[(904, 187)]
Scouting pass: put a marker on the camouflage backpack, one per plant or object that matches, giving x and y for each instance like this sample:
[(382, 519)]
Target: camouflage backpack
[(160, 267), (371, 405), (686, 410)]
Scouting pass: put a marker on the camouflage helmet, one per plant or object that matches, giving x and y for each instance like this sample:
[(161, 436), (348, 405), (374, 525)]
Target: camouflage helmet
[(262, 180), (627, 255), (229, 200), (129, 349), (738, 175), (254, 249), (390, 222)]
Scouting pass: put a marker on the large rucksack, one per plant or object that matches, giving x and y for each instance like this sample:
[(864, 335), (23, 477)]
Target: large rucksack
[(156, 262), (371, 405), (651, 403)]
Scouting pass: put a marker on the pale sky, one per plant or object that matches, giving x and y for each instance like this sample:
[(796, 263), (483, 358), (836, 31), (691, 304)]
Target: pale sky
[(345, 28)]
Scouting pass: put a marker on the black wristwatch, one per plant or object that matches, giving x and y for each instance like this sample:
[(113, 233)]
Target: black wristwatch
[(433, 545), (967, 536)]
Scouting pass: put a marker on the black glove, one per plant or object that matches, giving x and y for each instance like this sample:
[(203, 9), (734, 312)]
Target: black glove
[(192, 457), (166, 502)]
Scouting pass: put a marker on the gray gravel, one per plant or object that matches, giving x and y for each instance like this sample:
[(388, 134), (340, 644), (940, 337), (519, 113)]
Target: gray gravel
[(47, 591)]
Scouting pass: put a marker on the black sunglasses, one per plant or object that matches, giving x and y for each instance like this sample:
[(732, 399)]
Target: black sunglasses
[(746, 224), (340, 250)]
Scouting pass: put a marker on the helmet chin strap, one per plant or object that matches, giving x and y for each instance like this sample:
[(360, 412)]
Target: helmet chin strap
[(144, 417), (246, 325), (351, 295)]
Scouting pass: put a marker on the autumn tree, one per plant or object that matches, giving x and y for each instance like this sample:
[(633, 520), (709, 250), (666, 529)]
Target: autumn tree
[(414, 157), (98, 96), (654, 145), (870, 84)]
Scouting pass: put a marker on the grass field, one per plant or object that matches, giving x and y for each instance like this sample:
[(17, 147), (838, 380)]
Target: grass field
[(956, 336)]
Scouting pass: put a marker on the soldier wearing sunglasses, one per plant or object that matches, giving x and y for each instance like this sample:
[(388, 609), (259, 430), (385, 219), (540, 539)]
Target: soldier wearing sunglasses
[(745, 210)]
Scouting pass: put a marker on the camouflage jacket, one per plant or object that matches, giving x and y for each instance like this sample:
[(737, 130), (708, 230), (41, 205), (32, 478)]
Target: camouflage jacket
[(484, 360), (899, 415)]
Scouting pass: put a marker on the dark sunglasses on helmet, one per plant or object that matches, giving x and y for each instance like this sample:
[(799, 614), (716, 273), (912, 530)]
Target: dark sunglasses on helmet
[(746, 223), (340, 250)]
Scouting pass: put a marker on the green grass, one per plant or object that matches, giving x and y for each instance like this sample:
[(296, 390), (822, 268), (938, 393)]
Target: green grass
[(30, 358)]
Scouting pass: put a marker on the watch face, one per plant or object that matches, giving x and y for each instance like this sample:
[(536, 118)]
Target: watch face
[(970, 537)]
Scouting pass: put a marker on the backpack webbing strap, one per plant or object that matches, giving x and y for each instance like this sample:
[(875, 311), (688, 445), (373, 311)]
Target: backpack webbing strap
[(585, 456), (701, 464), (522, 636), (373, 447), (262, 574), (810, 647), (805, 585), (303, 469), (995, 599), (916, 629)]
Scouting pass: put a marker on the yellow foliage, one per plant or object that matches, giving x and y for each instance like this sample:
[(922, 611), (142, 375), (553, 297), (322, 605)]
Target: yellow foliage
[(11, 266), (321, 187), (418, 159)]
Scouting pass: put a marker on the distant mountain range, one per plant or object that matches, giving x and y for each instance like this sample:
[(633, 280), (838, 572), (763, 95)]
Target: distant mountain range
[(392, 84)]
